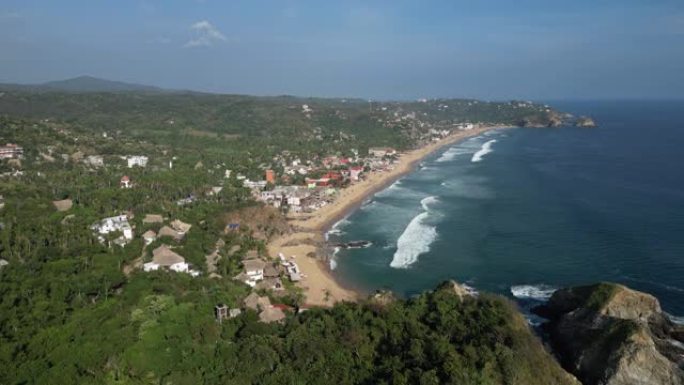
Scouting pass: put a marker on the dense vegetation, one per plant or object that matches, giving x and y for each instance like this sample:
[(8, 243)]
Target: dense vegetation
[(73, 311), (160, 329)]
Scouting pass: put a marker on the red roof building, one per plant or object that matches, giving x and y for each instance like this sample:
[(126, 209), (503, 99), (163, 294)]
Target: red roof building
[(126, 182), (270, 176)]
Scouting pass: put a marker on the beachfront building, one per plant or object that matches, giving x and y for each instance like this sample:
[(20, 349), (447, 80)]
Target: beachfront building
[(355, 173), (295, 197), (380, 152)]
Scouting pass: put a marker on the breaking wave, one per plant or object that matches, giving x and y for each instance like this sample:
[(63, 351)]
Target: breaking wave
[(336, 229), (452, 153), (416, 238), (536, 292), (484, 150)]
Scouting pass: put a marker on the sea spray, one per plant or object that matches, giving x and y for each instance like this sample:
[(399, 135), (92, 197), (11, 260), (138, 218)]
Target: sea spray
[(486, 149), (416, 238), (536, 292)]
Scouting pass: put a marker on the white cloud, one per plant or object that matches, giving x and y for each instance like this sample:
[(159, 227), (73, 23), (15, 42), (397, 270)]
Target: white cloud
[(206, 34)]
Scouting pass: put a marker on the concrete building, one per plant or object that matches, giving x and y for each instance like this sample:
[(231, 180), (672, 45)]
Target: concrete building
[(137, 160)]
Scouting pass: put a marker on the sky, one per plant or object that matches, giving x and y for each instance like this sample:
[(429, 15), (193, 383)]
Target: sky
[(486, 49)]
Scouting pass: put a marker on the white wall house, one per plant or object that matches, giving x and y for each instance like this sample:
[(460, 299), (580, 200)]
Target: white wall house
[(137, 160), (111, 224), (164, 257), (254, 271)]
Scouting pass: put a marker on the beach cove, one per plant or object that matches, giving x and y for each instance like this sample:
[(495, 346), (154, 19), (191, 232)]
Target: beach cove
[(320, 286)]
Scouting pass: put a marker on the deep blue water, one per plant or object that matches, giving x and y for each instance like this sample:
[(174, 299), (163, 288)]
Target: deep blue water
[(545, 208)]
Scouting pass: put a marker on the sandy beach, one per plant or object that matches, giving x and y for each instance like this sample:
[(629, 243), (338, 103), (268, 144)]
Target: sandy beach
[(320, 287)]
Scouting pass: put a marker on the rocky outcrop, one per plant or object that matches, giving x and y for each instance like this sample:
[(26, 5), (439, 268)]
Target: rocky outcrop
[(609, 334), (555, 119), (461, 291), (585, 121)]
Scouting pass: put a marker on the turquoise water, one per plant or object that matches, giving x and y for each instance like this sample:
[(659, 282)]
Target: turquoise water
[(523, 211)]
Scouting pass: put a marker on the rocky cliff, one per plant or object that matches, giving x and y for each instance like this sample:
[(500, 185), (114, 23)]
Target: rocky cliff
[(609, 334)]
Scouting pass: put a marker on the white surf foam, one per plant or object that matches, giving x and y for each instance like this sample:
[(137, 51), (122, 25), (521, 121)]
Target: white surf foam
[(484, 150), (426, 202), (536, 292), (336, 229), (470, 290), (416, 238), (676, 319), (452, 153)]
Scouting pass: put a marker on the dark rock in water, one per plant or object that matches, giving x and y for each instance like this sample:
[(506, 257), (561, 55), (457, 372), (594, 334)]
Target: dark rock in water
[(585, 121), (609, 334), (353, 245)]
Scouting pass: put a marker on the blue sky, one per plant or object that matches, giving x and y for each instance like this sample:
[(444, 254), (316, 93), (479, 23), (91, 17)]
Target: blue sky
[(396, 49)]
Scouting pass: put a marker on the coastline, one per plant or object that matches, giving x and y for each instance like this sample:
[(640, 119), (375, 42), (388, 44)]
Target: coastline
[(320, 286)]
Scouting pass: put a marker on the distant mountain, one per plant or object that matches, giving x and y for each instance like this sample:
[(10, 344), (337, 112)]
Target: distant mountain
[(92, 84), (82, 84)]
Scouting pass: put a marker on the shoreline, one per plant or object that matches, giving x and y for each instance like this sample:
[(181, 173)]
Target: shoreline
[(320, 286)]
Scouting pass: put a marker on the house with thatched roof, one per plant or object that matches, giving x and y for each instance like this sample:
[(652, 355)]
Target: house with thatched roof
[(271, 271), (63, 205), (251, 254), (180, 226), (153, 218), (164, 257), (149, 236), (166, 231), (250, 302), (271, 314), (274, 284), (254, 271)]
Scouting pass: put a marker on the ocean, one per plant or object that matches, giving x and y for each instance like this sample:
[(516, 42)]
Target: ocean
[(523, 211)]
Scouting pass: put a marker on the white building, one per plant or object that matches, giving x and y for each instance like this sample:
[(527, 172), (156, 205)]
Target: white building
[(112, 224), (379, 152), (254, 185), (94, 160), (254, 271), (137, 160), (164, 257)]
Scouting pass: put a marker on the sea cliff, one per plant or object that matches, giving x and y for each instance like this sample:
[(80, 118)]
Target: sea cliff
[(609, 334)]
